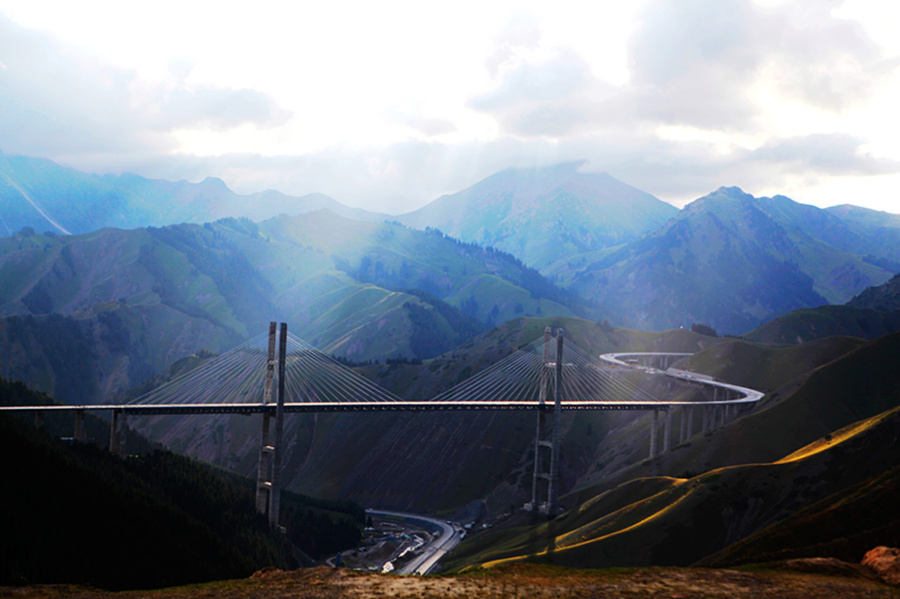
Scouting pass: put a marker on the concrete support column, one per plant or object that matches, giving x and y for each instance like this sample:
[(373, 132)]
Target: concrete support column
[(39, 419), (116, 425), (79, 425), (682, 433), (706, 413), (667, 431), (654, 424), (690, 422)]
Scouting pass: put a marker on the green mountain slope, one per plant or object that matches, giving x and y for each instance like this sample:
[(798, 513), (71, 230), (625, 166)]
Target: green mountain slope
[(815, 388), (132, 302), (682, 521), (808, 324)]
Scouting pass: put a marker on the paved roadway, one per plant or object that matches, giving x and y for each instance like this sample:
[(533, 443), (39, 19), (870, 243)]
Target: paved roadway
[(432, 552)]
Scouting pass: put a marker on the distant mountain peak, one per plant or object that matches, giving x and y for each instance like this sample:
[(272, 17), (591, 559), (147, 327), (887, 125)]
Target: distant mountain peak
[(214, 183), (544, 215), (733, 192)]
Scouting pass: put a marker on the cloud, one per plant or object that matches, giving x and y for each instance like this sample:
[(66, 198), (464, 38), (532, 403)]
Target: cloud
[(697, 63), (216, 108), (557, 97), (824, 154), (696, 67), (522, 32), (58, 102)]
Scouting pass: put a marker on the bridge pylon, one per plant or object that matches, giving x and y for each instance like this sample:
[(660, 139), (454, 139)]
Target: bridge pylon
[(268, 483), (545, 482)]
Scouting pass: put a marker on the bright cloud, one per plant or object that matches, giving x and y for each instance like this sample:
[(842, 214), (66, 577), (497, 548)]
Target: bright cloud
[(388, 105)]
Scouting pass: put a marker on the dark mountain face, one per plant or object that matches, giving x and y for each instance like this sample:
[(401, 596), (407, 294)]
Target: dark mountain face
[(545, 215), (44, 196), (731, 261), (884, 298)]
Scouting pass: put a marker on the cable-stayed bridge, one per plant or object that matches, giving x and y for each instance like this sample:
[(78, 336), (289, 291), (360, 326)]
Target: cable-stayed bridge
[(546, 375)]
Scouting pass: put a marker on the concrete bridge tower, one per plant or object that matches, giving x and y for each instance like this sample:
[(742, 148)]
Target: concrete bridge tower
[(268, 483), (545, 482)]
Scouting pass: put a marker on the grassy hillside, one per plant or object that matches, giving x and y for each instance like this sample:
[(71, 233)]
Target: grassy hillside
[(805, 405), (832, 439), (767, 368), (681, 521), (804, 325)]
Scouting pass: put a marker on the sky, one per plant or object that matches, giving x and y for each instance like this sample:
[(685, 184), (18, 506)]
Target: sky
[(388, 105)]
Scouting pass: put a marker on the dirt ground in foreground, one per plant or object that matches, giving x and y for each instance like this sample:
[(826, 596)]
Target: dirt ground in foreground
[(515, 581)]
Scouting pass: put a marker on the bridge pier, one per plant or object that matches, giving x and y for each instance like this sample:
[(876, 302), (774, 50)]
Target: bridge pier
[(667, 431), (682, 431), (78, 434), (654, 425), (706, 414), (117, 432)]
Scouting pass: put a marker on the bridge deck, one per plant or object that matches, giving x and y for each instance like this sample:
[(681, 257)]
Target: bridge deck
[(415, 406)]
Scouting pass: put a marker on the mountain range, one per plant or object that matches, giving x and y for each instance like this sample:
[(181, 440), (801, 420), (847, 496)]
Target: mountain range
[(727, 260), (45, 196), (733, 261)]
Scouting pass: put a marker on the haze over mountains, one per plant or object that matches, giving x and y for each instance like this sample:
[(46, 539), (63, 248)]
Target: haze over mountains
[(728, 259), (42, 195)]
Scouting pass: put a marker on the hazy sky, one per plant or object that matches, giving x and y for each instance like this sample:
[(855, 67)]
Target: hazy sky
[(388, 105)]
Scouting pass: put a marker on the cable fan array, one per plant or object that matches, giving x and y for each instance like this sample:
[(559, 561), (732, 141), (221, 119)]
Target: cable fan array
[(522, 375), (526, 375), (238, 377)]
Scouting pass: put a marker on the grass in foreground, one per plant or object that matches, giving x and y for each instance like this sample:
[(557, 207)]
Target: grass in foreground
[(808, 578)]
